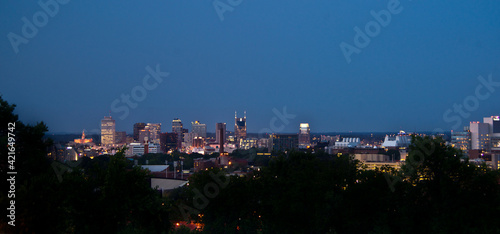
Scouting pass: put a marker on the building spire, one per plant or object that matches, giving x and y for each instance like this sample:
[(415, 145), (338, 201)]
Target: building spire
[(245, 114), (235, 116)]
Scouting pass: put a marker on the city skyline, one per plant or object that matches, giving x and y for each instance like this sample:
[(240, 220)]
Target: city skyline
[(340, 66)]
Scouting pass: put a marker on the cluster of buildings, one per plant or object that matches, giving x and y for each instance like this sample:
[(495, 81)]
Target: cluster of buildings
[(149, 138), (480, 141)]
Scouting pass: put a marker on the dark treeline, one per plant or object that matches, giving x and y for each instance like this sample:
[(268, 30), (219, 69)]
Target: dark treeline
[(437, 191)]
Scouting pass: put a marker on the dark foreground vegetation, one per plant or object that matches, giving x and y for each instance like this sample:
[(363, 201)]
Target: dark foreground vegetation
[(436, 191)]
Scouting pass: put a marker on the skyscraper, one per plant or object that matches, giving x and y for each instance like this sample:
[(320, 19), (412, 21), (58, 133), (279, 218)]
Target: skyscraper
[(107, 131), (461, 140), (479, 133), (220, 133), (177, 128), (154, 132), (240, 127), (137, 128), (199, 129), (304, 135)]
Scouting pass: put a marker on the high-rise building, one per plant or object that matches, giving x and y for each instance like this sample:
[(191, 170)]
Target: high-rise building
[(177, 128), (199, 129), (282, 142), (168, 141), (479, 133), (240, 127), (220, 135), (494, 131), (462, 140), (137, 128), (304, 135), (108, 129), (154, 132)]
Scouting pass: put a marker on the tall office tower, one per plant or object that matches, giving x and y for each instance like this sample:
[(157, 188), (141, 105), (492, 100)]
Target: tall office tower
[(304, 135), (220, 135), (199, 129), (154, 132), (479, 133), (137, 128), (461, 140), (240, 127), (177, 128), (108, 131)]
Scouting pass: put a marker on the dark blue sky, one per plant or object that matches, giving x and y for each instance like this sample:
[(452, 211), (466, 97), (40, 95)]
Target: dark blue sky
[(262, 55)]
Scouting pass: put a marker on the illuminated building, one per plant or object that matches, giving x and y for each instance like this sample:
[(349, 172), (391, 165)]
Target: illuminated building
[(282, 142), (154, 132), (494, 132), (304, 135), (83, 140), (177, 128), (198, 142), (479, 133), (397, 141), (461, 140), (248, 143), (107, 131), (347, 143), (199, 129), (137, 128), (240, 127), (188, 139), (140, 149)]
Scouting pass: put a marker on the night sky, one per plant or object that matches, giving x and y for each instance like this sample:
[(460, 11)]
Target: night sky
[(256, 56)]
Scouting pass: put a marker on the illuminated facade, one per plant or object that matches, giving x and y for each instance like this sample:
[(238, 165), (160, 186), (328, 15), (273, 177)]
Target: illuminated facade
[(154, 132), (304, 135), (494, 131), (479, 133), (461, 140), (107, 131), (240, 127), (177, 128), (199, 129), (83, 140), (248, 143)]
